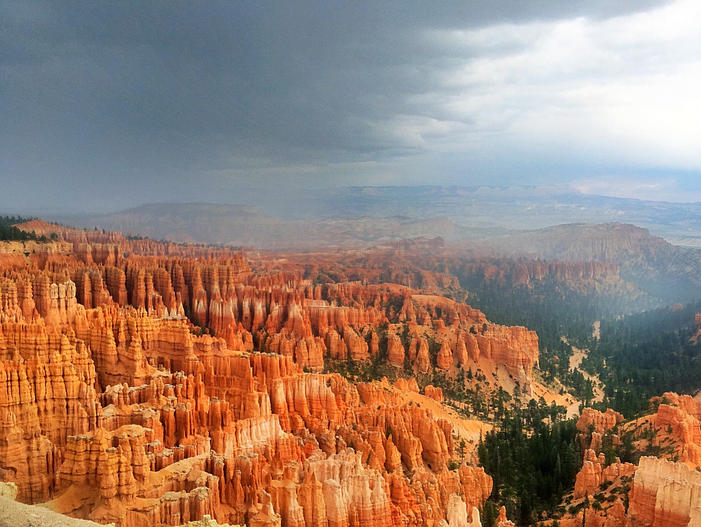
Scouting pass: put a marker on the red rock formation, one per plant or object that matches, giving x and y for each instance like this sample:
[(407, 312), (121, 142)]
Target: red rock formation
[(502, 520), (434, 393), (679, 417), (600, 421), (249, 404), (46, 394), (444, 360), (108, 391), (613, 516), (593, 424), (594, 472), (395, 351), (664, 493)]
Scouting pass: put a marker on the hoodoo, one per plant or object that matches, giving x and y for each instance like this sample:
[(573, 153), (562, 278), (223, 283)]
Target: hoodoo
[(161, 385)]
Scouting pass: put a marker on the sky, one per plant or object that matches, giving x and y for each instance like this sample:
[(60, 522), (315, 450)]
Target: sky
[(107, 105)]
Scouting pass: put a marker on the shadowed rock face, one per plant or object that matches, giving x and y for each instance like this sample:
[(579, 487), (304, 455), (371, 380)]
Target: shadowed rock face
[(115, 407)]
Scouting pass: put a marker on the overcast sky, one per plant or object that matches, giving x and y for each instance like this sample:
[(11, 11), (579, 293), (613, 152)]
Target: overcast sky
[(106, 105)]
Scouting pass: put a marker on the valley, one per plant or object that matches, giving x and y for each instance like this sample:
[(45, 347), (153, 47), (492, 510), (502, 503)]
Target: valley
[(159, 383), (350, 264)]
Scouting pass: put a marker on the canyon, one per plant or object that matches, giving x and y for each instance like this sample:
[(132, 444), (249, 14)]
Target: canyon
[(155, 383)]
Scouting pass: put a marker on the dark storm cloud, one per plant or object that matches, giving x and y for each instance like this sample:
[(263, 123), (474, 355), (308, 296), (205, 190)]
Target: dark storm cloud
[(123, 102)]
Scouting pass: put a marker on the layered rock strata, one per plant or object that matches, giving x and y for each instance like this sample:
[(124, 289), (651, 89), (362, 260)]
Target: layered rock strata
[(665, 494)]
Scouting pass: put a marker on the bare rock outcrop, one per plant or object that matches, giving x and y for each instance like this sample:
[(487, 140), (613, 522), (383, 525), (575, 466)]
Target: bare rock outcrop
[(594, 472), (664, 493)]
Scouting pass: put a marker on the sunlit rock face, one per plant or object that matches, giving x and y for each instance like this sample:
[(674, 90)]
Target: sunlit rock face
[(665, 493)]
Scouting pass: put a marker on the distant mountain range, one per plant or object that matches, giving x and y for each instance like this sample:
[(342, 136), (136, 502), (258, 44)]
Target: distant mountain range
[(361, 216)]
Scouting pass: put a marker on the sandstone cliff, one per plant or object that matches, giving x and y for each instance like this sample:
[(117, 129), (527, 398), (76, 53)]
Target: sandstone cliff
[(666, 494)]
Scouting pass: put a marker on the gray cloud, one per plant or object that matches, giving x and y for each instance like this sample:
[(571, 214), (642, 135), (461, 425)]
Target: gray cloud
[(109, 104)]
